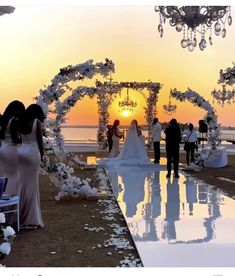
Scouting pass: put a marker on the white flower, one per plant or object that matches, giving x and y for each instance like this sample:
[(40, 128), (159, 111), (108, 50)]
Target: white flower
[(5, 248), (2, 218), (8, 232)]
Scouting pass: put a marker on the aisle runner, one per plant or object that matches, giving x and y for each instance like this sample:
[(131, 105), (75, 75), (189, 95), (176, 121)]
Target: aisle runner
[(176, 222)]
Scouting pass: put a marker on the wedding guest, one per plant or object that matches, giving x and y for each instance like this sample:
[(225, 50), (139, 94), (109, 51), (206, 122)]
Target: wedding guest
[(29, 157), (117, 135), (156, 136), (10, 138), (173, 138), (109, 135), (190, 143)]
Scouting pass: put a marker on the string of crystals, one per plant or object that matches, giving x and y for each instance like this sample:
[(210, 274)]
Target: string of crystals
[(127, 103), (169, 108), (195, 19), (223, 96), (227, 76)]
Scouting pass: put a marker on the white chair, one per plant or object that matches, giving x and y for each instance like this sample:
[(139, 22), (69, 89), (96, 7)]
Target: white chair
[(15, 203)]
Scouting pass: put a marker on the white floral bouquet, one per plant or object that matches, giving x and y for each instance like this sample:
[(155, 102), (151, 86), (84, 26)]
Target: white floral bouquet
[(6, 235)]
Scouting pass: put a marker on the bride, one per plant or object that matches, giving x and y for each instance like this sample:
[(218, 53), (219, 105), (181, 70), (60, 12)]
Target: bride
[(133, 151)]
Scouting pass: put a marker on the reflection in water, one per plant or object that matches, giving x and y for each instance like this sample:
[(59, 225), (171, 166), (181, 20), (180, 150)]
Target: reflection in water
[(172, 209), (175, 222), (153, 219)]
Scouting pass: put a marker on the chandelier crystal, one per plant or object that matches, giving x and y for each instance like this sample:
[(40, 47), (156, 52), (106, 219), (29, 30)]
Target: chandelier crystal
[(127, 104), (6, 10), (169, 108), (191, 20), (223, 96)]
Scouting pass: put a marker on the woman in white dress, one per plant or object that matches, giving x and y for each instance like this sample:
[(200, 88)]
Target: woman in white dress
[(11, 139), (30, 155), (133, 152)]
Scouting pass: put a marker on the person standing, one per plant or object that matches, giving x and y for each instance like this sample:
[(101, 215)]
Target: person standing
[(190, 143), (109, 135), (11, 139), (173, 138), (30, 155), (156, 136), (117, 135)]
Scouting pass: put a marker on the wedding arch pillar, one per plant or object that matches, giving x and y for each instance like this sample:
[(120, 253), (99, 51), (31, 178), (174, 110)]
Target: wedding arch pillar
[(103, 102)]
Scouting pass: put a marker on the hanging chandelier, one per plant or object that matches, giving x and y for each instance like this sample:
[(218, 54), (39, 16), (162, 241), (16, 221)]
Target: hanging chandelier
[(169, 108), (223, 96), (127, 104), (195, 19), (6, 9)]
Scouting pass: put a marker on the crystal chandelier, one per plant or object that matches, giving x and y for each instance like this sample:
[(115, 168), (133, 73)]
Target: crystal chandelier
[(195, 19), (6, 9), (127, 104), (223, 96), (169, 108)]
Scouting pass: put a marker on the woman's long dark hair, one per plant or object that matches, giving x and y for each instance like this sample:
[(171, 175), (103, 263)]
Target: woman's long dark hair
[(15, 109), (33, 111), (116, 123)]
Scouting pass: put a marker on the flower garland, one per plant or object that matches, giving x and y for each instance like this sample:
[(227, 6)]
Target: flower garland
[(227, 76), (61, 174), (210, 118), (103, 102), (7, 234)]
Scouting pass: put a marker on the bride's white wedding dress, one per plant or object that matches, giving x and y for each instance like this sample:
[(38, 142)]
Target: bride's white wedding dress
[(133, 152)]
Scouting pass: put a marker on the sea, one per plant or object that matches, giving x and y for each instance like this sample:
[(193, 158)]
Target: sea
[(81, 134)]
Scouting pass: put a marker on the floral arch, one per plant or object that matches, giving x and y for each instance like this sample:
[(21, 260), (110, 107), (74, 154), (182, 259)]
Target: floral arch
[(61, 174), (107, 89), (210, 118)]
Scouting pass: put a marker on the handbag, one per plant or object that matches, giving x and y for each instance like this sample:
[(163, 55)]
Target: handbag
[(186, 144)]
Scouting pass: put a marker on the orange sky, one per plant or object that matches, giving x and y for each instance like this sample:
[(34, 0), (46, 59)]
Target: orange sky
[(37, 41)]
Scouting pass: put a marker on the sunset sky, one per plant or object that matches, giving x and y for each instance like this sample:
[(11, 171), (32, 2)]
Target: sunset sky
[(36, 41)]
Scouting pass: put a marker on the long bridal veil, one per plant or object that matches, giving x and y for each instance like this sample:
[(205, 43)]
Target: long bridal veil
[(133, 149), (133, 152)]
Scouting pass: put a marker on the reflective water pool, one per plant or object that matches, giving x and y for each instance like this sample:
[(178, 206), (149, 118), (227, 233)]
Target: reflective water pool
[(175, 222)]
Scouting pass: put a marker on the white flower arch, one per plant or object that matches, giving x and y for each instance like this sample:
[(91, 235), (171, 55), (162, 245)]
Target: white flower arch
[(210, 118), (62, 175), (112, 88)]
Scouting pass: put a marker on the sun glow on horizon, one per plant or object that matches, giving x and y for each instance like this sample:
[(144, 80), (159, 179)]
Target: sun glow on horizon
[(125, 113)]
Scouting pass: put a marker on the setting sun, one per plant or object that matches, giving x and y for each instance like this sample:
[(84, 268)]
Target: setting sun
[(125, 113)]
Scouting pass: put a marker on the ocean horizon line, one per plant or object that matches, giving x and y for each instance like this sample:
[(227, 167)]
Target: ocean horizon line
[(126, 126)]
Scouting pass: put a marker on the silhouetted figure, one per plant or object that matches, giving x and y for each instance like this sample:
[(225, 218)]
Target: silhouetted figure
[(173, 138), (30, 155), (156, 136), (117, 135), (190, 143), (109, 135), (10, 137)]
